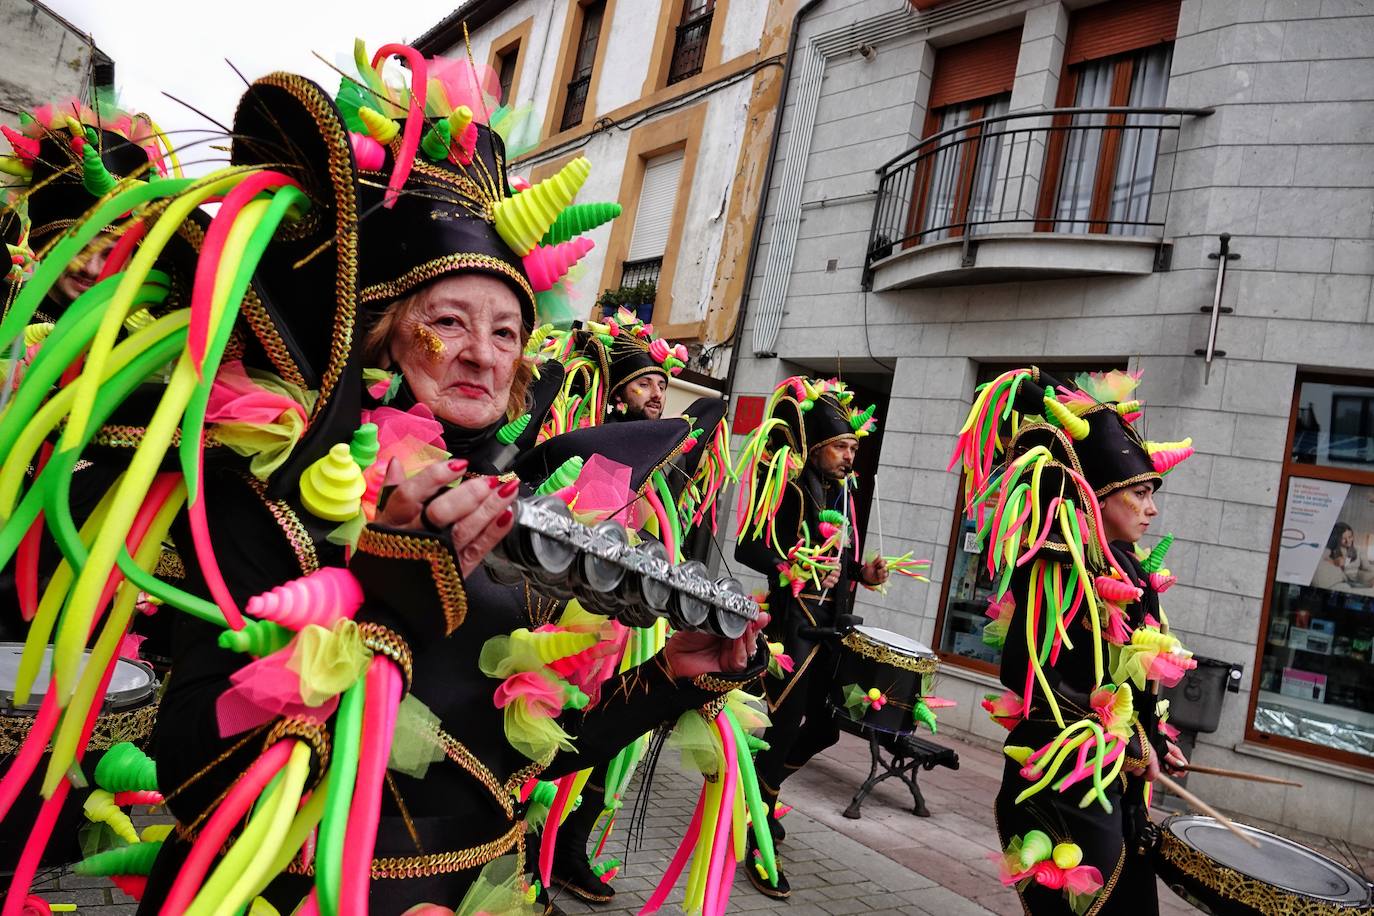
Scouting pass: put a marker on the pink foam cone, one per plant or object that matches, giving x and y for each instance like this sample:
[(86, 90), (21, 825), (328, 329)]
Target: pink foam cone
[(1112, 589), (547, 264), (1161, 583), (1170, 458), (322, 597)]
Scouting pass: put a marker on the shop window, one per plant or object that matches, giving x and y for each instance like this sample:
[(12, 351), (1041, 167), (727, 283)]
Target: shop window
[(1315, 689), (689, 43), (579, 86), (1100, 166), (968, 585), (957, 182)]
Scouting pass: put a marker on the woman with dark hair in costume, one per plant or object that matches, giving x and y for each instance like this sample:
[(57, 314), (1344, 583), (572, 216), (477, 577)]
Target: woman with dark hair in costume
[(305, 774), (1063, 496)]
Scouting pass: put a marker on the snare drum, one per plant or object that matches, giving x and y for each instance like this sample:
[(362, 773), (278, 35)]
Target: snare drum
[(890, 662), (129, 713), (1211, 868)]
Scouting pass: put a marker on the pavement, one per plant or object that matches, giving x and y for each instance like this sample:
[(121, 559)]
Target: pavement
[(888, 862)]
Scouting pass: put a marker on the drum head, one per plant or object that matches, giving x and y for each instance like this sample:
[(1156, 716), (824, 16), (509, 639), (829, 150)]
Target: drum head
[(131, 684), (1278, 862), (896, 641)]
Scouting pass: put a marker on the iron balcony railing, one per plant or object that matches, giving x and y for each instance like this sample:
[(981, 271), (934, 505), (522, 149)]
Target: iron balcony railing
[(1068, 170), (689, 48)]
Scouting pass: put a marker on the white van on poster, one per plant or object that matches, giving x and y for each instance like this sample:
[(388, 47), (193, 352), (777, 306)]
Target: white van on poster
[(1308, 517)]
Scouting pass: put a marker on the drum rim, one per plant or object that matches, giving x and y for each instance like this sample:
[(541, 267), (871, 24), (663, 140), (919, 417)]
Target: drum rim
[(884, 654), (132, 699), (1224, 880)]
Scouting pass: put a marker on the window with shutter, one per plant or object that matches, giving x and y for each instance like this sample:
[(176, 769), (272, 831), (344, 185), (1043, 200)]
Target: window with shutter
[(657, 199), (957, 183), (1100, 172)]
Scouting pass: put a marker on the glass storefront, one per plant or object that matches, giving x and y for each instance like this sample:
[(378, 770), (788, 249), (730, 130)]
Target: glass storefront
[(1316, 678)]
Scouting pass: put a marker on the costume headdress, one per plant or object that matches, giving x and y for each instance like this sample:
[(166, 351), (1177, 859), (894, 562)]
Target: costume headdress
[(801, 414), (64, 159), (436, 195)]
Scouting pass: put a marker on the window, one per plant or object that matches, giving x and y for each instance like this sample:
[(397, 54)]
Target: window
[(957, 183), (689, 45), (1315, 689), (653, 225), (968, 586), (1100, 166), (579, 86), (506, 64)]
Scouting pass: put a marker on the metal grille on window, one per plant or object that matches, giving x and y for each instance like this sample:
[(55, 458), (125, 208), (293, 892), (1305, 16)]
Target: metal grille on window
[(574, 107), (633, 273), (505, 69), (689, 44)]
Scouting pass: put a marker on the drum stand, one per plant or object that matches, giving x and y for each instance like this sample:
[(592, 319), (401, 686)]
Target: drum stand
[(900, 756)]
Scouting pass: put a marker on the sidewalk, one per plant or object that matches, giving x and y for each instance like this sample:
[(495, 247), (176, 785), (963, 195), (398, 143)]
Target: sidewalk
[(886, 863)]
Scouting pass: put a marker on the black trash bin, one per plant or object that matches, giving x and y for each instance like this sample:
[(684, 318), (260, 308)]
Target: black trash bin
[(1195, 702)]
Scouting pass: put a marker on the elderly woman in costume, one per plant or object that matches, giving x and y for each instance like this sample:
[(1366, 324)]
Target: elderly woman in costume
[(1062, 508), (357, 708), (445, 309)]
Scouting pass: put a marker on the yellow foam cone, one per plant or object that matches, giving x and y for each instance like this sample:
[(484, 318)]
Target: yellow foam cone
[(379, 126), (332, 487), (522, 220)]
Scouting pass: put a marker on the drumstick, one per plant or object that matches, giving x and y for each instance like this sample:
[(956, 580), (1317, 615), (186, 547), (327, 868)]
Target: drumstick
[(1241, 774), (1201, 806)]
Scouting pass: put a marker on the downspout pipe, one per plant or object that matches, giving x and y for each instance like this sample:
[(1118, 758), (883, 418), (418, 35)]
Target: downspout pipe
[(729, 387)]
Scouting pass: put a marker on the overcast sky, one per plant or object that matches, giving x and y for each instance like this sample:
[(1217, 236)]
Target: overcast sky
[(181, 47)]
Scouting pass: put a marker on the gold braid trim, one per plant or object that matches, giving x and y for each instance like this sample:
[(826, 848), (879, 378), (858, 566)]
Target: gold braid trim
[(135, 725), (302, 544), (385, 641), (394, 289), (456, 751), (436, 863), (1239, 888), (311, 731), (884, 655), (447, 579)]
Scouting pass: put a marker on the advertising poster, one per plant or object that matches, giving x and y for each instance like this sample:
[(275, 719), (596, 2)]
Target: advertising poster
[(1308, 517)]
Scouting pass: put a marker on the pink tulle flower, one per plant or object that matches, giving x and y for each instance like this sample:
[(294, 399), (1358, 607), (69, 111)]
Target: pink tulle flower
[(1005, 709), (236, 398), (541, 698)]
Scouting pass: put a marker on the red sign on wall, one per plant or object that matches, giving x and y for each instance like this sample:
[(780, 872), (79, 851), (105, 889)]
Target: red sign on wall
[(748, 414)]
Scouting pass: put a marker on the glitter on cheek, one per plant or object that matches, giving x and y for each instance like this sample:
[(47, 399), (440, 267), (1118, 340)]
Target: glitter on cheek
[(429, 343)]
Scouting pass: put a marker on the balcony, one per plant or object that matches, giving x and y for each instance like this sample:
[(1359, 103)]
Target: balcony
[(689, 48), (1038, 194)]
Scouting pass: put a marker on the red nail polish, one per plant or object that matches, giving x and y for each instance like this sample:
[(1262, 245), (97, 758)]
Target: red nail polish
[(505, 518), (493, 482), (509, 489), (458, 465)]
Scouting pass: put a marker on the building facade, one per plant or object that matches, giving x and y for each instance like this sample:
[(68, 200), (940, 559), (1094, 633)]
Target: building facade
[(46, 59), (963, 186), (674, 104)]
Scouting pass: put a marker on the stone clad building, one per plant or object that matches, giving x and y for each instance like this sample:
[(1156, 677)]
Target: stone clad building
[(928, 224)]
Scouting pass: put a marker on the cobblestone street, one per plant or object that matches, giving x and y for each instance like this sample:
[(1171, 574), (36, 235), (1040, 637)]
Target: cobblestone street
[(887, 862)]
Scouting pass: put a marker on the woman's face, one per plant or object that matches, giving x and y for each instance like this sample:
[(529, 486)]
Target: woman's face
[(1126, 513), (1348, 538), (458, 349), (85, 269)]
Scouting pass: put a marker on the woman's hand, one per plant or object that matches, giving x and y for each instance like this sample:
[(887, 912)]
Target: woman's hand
[(690, 653), (1175, 764), (476, 513)]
